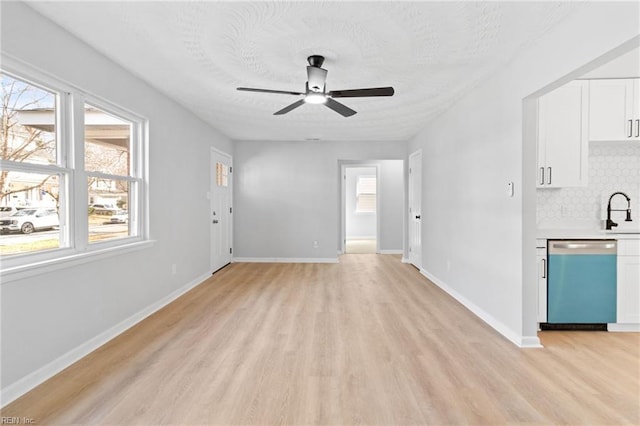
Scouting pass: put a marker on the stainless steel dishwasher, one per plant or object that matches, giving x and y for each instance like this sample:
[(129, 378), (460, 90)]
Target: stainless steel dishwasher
[(581, 283)]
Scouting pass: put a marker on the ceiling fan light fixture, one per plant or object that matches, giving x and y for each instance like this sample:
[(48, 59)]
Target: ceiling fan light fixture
[(316, 93), (315, 98)]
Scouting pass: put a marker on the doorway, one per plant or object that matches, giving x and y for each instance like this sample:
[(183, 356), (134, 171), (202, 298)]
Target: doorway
[(221, 210), (360, 201)]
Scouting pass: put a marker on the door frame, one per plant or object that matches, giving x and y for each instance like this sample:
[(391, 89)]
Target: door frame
[(343, 201), (213, 153)]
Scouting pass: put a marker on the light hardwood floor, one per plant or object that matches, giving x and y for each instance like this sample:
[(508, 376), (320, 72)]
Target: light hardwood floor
[(365, 341), (360, 246)]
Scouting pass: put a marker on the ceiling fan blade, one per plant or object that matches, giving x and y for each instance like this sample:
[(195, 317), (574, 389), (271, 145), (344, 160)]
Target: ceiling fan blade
[(283, 92), (341, 109), (316, 77), (362, 93), (289, 108)]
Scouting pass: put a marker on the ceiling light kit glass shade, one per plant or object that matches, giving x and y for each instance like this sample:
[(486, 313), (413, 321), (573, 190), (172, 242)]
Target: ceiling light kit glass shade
[(315, 98)]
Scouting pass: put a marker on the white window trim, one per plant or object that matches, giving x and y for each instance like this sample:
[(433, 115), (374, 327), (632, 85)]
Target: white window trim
[(75, 240), (66, 258)]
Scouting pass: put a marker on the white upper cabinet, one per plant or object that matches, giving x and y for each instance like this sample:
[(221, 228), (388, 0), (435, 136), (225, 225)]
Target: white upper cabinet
[(562, 136), (614, 110)]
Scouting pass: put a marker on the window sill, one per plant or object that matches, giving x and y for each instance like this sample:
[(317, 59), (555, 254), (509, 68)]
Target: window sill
[(45, 266)]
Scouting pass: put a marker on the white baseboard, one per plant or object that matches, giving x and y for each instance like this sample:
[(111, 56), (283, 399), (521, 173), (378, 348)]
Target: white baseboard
[(621, 327), (518, 340), (340, 252), (285, 260), (25, 384), (529, 342), (404, 259)]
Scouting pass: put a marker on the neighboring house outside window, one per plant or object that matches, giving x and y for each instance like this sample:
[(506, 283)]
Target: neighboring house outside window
[(45, 166)]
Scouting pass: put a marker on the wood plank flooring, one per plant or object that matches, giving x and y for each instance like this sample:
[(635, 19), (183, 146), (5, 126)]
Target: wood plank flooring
[(365, 341), (360, 246)]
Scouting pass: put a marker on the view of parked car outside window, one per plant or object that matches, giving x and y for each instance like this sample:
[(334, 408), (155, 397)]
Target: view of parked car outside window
[(29, 220)]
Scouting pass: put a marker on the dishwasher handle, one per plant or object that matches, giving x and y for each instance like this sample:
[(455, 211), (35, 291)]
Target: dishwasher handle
[(573, 245), (583, 247)]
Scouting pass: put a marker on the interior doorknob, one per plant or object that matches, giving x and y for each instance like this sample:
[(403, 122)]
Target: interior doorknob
[(215, 221)]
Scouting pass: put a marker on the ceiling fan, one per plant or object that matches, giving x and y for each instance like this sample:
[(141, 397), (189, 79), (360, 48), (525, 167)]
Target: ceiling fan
[(315, 91)]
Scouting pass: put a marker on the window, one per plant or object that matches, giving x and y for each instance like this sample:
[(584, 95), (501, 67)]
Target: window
[(57, 194), (110, 181), (32, 167), (222, 174), (366, 194)]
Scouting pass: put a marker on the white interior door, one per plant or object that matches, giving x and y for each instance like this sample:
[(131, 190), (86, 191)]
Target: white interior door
[(415, 209), (220, 216)]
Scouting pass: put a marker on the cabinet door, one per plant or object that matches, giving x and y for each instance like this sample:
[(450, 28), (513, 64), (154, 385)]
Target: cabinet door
[(628, 271), (562, 136), (629, 289), (611, 113), (542, 285)]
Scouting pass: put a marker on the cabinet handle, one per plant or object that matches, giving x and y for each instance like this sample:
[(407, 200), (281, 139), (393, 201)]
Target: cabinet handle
[(630, 128), (637, 128), (544, 268), (541, 175), (549, 179)]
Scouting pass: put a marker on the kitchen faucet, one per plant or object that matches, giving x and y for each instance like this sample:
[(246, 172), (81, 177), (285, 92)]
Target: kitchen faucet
[(611, 223)]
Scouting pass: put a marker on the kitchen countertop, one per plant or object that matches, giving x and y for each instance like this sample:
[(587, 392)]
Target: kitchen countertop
[(585, 234)]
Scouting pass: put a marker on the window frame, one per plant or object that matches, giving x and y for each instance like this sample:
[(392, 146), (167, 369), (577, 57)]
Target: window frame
[(136, 169), (73, 211)]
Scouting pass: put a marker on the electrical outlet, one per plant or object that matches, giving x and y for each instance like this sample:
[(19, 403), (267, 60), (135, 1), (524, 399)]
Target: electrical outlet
[(315, 244), (174, 268)]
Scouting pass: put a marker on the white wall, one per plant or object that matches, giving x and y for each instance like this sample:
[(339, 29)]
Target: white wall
[(286, 196), (358, 225), (392, 206), (624, 66), (47, 317), (475, 148)]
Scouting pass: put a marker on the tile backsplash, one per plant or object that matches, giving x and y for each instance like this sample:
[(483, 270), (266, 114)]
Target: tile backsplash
[(613, 166)]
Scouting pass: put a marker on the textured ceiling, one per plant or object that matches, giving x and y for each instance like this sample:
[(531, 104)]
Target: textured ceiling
[(432, 53)]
